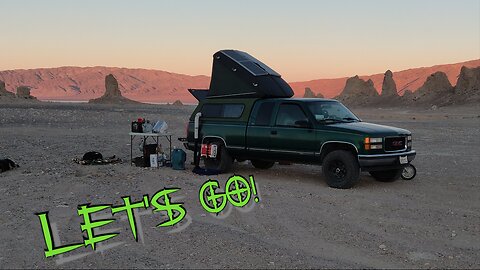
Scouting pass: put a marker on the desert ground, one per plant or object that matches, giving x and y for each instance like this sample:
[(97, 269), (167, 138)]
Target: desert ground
[(432, 221)]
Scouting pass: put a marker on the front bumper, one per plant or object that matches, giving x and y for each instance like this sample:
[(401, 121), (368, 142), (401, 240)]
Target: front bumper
[(385, 161)]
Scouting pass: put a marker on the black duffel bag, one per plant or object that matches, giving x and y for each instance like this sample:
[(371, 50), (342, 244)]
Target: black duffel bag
[(148, 149)]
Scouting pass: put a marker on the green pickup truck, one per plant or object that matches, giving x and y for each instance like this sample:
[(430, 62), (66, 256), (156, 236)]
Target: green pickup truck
[(248, 124)]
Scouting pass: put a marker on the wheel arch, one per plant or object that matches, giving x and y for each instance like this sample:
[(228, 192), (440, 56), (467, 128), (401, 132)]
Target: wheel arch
[(330, 146), (211, 138)]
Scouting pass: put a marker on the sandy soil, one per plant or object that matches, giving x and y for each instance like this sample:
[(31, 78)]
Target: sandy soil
[(432, 221)]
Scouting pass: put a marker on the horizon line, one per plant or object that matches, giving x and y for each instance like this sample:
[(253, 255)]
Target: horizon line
[(202, 75)]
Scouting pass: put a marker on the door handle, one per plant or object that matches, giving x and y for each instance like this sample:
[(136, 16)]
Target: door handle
[(273, 132)]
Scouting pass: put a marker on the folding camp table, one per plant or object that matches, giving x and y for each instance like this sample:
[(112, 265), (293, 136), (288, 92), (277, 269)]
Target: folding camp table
[(156, 137)]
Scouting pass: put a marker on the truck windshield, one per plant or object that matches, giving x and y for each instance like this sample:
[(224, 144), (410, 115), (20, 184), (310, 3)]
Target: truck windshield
[(327, 112)]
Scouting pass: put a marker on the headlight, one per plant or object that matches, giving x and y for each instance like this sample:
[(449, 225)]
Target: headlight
[(373, 143), (375, 146), (409, 137)]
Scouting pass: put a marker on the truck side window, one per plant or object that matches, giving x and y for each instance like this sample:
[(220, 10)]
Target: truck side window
[(289, 114), (222, 110), (264, 114), (212, 110), (233, 110)]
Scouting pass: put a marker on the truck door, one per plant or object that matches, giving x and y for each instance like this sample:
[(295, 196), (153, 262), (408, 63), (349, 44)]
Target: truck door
[(259, 128), (292, 137)]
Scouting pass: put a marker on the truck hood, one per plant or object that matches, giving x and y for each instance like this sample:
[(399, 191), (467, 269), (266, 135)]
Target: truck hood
[(368, 129)]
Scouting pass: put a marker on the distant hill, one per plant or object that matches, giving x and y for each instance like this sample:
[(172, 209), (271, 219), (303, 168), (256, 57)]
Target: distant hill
[(410, 79), (84, 83)]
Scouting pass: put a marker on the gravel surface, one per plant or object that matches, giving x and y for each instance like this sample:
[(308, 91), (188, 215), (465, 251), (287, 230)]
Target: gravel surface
[(432, 221)]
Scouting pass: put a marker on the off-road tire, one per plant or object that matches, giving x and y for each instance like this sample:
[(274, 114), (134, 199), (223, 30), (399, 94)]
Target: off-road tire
[(223, 162), (387, 176), (341, 169), (262, 164)]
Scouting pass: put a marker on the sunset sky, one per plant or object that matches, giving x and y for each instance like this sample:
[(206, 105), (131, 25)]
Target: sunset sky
[(302, 40)]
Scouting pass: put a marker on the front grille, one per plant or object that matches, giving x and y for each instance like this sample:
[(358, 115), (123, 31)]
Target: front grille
[(395, 143)]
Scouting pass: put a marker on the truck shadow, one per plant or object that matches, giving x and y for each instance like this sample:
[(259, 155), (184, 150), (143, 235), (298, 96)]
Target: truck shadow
[(306, 174)]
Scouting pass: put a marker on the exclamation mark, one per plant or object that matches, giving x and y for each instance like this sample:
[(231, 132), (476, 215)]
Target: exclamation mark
[(254, 189)]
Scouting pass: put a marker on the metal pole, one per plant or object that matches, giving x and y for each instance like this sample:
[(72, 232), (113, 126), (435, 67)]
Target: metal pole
[(131, 149)]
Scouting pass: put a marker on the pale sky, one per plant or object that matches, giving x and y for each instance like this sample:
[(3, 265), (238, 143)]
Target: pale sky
[(302, 40)]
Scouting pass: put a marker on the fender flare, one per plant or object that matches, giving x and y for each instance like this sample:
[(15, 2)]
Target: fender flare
[(216, 137), (339, 142)]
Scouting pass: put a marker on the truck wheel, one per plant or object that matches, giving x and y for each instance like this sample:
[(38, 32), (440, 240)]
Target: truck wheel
[(341, 169), (386, 176), (223, 162), (262, 164)]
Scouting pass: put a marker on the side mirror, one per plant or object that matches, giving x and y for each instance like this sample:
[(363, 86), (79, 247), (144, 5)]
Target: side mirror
[(303, 124)]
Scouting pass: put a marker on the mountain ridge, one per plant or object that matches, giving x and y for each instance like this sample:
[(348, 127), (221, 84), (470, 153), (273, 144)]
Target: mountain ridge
[(408, 79), (150, 85)]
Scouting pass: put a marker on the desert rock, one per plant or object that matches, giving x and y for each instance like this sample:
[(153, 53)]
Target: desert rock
[(389, 88), (177, 103), (4, 92), (111, 87), (408, 95), (436, 90), (24, 92), (358, 87), (358, 91), (468, 83), (308, 93), (112, 93)]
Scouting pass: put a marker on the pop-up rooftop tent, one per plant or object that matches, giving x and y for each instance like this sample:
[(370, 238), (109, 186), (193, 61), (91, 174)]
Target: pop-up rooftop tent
[(238, 74)]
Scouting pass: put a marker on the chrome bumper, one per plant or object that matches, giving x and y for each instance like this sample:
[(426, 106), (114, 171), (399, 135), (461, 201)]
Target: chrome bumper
[(384, 161)]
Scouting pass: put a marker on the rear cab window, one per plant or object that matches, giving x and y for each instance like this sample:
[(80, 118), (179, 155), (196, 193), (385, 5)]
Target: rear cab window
[(263, 114)]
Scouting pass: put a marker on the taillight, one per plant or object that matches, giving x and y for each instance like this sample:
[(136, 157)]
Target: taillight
[(209, 150)]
